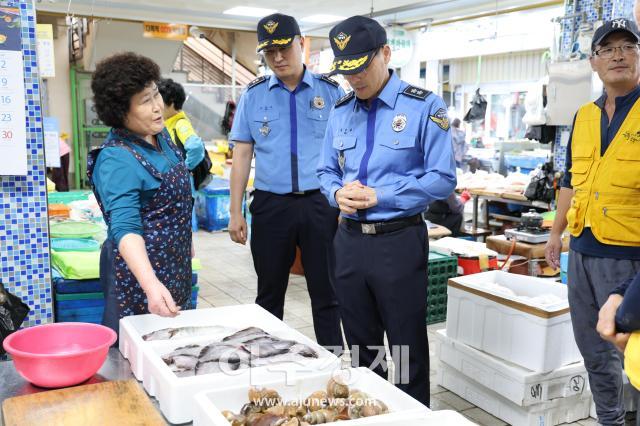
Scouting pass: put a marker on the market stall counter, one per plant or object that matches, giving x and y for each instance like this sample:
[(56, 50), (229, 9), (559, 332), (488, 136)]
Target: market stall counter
[(114, 368)]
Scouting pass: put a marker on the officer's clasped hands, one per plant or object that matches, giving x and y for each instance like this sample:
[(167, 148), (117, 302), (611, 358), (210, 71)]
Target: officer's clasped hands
[(355, 196)]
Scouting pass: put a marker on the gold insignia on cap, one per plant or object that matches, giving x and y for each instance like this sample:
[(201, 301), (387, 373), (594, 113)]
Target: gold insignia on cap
[(318, 102), (349, 64), (281, 41), (270, 26), (441, 119), (263, 44), (399, 123), (342, 40)]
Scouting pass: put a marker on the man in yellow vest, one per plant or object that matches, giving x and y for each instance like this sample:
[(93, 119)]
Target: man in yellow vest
[(599, 203)]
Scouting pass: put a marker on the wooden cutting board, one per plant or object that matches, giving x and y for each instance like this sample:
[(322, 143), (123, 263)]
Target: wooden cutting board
[(120, 402)]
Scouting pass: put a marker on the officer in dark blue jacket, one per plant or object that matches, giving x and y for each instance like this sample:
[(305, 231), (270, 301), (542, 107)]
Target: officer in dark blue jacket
[(387, 154), (282, 119)]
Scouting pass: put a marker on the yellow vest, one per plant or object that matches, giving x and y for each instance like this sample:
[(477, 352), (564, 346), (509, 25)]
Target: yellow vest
[(632, 359), (179, 125), (607, 188)]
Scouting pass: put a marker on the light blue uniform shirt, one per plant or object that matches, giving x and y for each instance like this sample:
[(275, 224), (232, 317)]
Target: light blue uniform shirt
[(287, 129), (400, 146)]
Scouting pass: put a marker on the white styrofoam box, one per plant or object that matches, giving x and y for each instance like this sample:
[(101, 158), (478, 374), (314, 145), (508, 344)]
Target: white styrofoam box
[(403, 408), (455, 246), (555, 412), (132, 329), (175, 394), (513, 382), (441, 417), (533, 334)]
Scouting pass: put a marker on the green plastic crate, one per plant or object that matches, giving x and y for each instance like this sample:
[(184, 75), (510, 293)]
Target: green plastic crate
[(67, 197), (440, 268)]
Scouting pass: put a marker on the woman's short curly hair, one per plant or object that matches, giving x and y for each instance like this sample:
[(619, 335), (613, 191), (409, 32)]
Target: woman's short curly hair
[(116, 80), (172, 93)]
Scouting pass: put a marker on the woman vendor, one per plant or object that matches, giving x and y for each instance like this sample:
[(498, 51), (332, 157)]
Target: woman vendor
[(143, 187)]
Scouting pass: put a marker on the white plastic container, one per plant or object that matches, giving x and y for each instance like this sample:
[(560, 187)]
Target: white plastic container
[(402, 408), (134, 327), (536, 335), (175, 394), (517, 384), (555, 412)]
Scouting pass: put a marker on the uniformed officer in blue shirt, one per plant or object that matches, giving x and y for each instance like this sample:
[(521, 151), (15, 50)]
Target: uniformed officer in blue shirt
[(282, 118), (387, 154)]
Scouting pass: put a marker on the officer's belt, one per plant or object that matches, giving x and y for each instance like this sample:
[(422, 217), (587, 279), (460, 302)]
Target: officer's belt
[(373, 228), (302, 193)]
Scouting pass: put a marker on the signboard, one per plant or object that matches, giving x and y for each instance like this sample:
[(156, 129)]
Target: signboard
[(179, 32), (44, 44), (13, 134), (51, 141), (402, 45)]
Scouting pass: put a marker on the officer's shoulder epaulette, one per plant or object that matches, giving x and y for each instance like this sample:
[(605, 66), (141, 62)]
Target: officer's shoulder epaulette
[(416, 92), (257, 81), (346, 98), (329, 80)]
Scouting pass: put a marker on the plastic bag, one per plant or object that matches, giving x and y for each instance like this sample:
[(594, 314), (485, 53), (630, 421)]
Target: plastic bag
[(478, 108), (541, 186), (13, 311)]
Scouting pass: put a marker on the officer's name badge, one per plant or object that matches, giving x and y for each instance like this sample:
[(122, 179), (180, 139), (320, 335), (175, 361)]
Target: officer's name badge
[(318, 102), (399, 122), (265, 129), (441, 119)]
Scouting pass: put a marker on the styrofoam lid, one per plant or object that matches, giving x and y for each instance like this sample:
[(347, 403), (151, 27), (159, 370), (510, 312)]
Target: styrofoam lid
[(535, 292)]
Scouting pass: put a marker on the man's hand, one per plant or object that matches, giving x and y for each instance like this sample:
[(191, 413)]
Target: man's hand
[(354, 196), (606, 323), (160, 302), (552, 251), (238, 229)]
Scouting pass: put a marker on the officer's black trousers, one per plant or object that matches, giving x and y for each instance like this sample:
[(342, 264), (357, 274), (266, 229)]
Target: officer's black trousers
[(279, 223), (381, 283)]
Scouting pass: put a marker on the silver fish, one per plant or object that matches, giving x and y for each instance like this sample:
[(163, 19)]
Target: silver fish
[(208, 368), (183, 373), (267, 346), (276, 359), (223, 352), (303, 350), (181, 332), (189, 350), (245, 334)]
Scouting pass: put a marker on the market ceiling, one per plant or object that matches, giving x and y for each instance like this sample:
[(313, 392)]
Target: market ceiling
[(209, 13)]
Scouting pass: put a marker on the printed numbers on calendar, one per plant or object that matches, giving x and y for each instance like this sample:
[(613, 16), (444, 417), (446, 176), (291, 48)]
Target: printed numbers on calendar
[(5, 99), (6, 135), (5, 117)]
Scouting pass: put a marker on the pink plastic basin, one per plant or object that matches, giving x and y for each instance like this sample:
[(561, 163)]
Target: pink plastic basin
[(60, 354)]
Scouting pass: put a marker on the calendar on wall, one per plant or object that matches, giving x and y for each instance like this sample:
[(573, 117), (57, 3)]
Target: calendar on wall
[(13, 144)]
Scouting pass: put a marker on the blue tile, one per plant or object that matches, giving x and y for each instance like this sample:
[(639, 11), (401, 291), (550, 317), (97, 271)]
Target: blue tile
[(25, 268)]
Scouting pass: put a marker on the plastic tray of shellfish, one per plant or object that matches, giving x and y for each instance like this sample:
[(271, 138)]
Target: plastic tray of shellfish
[(211, 348), (355, 396)]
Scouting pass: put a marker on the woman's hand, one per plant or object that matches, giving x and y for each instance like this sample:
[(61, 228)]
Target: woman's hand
[(160, 302)]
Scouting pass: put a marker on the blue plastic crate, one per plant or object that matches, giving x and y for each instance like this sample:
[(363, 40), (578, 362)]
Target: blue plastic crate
[(212, 205), (63, 286), (523, 161), (564, 266), (89, 307)]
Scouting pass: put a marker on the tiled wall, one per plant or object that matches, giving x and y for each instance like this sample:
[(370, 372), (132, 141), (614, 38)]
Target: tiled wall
[(610, 9), (24, 232)]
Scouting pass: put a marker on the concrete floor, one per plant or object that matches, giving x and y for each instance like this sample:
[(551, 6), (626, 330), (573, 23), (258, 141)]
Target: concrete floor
[(228, 278)]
